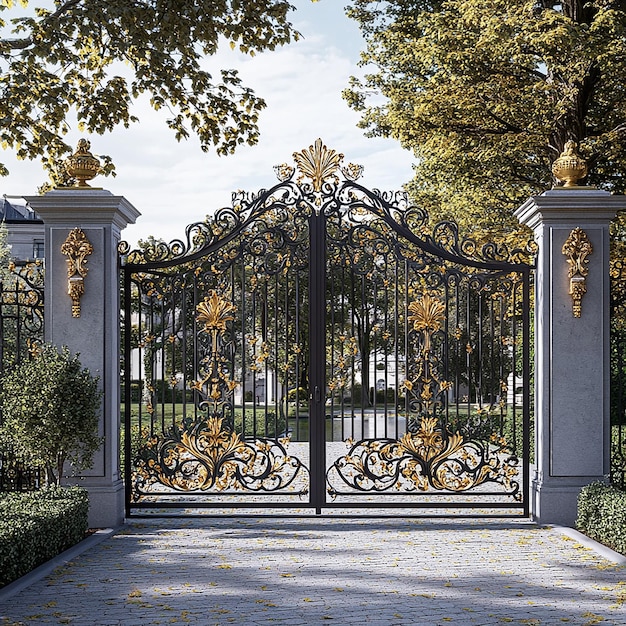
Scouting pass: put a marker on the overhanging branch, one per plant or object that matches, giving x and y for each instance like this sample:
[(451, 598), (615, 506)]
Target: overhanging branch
[(25, 42)]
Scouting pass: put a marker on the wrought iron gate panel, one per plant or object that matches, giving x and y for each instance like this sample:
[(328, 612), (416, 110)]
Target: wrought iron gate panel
[(314, 346), (21, 312), (423, 342), (215, 334)]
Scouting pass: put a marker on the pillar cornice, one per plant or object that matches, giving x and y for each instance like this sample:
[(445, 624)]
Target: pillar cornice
[(566, 205), (78, 207)]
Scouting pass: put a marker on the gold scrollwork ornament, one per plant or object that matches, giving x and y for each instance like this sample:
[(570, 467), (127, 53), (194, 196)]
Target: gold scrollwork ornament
[(577, 249), (77, 248)]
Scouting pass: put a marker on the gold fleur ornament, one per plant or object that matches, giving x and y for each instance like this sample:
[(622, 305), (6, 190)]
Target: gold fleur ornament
[(77, 248), (214, 312), (318, 163), (427, 316)]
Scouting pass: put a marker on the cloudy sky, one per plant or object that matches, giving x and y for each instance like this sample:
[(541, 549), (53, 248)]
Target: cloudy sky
[(174, 184)]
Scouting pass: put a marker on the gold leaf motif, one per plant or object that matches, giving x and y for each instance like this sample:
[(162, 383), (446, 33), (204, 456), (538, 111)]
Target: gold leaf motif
[(427, 314), (318, 163), (214, 311)]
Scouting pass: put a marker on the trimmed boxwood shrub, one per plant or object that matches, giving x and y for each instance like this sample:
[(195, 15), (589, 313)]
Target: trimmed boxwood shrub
[(602, 515), (36, 526), (50, 411)]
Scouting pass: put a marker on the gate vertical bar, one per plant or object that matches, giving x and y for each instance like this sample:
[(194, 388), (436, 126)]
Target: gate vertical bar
[(526, 375), (128, 377), (317, 357)]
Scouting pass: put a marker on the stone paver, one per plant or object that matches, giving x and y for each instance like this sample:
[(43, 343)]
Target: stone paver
[(303, 571)]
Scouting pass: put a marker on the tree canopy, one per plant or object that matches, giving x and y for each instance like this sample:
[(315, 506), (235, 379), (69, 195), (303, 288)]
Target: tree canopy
[(88, 60), (487, 92)]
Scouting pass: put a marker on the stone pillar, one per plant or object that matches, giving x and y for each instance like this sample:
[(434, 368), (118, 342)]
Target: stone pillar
[(94, 335), (572, 421)]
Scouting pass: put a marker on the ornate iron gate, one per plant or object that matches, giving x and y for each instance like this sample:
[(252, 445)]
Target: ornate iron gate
[(314, 347)]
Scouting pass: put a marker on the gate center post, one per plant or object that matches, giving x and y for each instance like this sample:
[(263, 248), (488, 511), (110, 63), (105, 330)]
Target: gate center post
[(317, 365)]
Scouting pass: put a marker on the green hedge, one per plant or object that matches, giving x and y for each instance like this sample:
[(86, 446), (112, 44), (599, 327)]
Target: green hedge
[(38, 525), (602, 515)]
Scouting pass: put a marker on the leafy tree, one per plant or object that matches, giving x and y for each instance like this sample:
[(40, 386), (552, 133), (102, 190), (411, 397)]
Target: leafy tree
[(50, 410), (93, 58), (487, 93)]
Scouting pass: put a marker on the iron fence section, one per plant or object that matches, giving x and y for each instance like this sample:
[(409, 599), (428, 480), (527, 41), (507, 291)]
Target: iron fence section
[(16, 475), (21, 330)]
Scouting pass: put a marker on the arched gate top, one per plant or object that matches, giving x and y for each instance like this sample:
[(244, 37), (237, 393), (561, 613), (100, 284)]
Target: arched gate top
[(319, 183)]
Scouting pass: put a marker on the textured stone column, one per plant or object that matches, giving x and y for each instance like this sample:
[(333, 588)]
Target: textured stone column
[(95, 334), (572, 421)]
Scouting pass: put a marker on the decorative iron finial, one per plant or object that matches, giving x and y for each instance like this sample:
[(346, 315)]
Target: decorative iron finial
[(82, 165), (570, 167)]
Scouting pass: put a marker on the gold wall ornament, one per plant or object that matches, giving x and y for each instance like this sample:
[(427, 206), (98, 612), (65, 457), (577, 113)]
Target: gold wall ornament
[(577, 248), (570, 167), (77, 248), (82, 165), (318, 163)]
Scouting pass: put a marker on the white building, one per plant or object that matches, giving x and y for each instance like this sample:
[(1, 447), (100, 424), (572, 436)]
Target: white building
[(25, 230)]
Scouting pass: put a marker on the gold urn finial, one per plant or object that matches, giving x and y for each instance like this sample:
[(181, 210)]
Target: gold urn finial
[(82, 165), (570, 167)]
